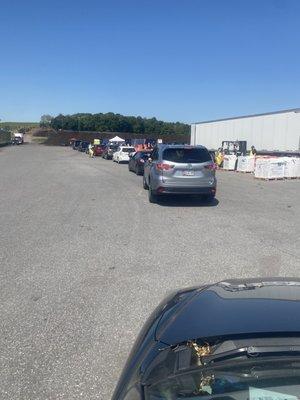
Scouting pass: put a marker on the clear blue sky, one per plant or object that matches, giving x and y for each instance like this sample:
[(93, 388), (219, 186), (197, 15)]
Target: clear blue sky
[(186, 60)]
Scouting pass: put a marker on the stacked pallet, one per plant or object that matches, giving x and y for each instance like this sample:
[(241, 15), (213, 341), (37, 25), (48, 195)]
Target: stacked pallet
[(229, 162), (245, 164), (292, 167), (277, 168)]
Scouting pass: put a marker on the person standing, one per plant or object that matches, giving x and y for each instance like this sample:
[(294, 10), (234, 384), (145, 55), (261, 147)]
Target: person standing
[(91, 150), (219, 157), (253, 151)]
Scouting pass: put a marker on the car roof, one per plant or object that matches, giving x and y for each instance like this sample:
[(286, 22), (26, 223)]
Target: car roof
[(235, 307), (179, 146)]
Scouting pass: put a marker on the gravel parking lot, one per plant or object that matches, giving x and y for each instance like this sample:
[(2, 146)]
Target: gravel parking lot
[(85, 258)]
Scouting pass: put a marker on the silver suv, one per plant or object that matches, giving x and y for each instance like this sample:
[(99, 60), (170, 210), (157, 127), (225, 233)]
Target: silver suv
[(180, 169)]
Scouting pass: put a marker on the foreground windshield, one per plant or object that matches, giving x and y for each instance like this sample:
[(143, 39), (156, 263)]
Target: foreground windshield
[(265, 382)]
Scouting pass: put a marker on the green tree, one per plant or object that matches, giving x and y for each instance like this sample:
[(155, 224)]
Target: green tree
[(46, 120), (110, 122)]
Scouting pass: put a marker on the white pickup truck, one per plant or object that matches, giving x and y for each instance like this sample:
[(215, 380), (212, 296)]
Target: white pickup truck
[(18, 136)]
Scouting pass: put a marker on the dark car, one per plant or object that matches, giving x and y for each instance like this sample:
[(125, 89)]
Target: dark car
[(84, 145), (137, 161), (237, 339), (109, 150), (76, 144)]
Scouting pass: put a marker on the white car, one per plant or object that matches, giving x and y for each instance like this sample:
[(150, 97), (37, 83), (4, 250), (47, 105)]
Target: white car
[(122, 154)]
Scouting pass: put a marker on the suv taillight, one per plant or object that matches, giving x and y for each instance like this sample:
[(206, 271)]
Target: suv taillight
[(164, 167), (211, 166)]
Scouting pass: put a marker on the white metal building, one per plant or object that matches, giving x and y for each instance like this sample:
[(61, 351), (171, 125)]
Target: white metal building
[(270, 131)]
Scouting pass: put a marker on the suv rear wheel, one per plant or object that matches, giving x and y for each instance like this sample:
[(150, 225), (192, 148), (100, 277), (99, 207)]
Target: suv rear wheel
[(145, 186), (152, 196)]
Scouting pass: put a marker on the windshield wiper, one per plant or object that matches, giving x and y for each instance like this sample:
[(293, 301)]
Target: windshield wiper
[(252, 351)]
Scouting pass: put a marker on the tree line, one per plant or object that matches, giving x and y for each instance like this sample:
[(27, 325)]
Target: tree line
[(110, 122)]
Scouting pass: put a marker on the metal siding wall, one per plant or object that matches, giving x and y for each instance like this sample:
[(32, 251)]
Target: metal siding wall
[(293, 131), (266, 132)]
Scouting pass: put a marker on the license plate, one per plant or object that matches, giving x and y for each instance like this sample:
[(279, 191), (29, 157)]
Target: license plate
[(188, 173)]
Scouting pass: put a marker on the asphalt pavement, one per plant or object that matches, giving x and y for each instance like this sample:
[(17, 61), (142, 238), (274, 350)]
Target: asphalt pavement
[(84, 258)]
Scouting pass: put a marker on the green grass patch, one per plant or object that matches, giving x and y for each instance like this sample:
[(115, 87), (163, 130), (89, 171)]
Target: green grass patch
[(39, 139)]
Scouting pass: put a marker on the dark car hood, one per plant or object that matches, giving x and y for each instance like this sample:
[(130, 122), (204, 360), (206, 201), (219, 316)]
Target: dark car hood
[(245, 307)]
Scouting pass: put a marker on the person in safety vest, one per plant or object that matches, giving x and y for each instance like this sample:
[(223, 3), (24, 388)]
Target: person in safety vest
[(219, 157), (91, 150), (253, 151)]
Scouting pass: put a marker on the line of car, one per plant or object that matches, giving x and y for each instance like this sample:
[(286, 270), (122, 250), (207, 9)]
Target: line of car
[(105, 151), (231, 340), (166, 169)]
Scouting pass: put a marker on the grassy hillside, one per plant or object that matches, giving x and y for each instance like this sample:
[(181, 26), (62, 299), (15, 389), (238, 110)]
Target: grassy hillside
[(16, 126)]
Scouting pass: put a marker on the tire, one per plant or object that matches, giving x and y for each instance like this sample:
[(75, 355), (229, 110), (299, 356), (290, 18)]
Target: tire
[(129, 167), (151, 196), (137, 170), (145, 186)]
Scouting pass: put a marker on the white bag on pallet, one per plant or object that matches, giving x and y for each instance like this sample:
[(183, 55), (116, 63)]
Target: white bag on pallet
[(292, 167), (261, 168), (229, 162), (298, 167), (276, 170), (245, 164), (270, 168)]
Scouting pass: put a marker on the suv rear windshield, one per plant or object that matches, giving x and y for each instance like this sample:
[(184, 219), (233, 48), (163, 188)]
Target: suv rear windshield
[(186, 155), (128, 149)]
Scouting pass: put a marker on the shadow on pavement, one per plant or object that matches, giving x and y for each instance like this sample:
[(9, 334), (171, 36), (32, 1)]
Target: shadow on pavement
[(185, 201)]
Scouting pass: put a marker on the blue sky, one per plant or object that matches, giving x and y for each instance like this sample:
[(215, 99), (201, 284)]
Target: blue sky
[(177, 60)]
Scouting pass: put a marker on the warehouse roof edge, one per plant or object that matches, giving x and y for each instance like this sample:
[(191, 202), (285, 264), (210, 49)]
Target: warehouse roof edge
[(296, 110)]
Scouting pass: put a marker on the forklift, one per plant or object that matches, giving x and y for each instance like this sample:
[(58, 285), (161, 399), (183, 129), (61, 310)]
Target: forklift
[(236, 147)]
